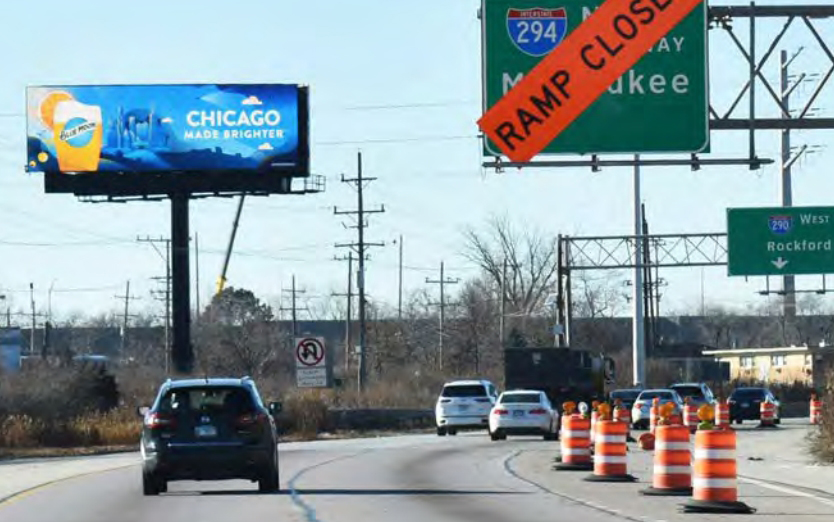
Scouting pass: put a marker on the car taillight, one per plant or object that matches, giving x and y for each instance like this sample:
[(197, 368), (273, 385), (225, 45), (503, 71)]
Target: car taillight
[(444, 401), (250, 419), (639, 404), (500, 412), (158, 420), (538, 411)]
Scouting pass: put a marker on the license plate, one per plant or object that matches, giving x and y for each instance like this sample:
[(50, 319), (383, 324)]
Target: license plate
[(518, 413), (463, 407), (745, 405), (205, 431)]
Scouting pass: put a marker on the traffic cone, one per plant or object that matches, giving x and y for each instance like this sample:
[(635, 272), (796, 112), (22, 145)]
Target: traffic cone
[(575, 443), (672, 475), (714, 481), (816, 410), (767, 412), (611, 455)]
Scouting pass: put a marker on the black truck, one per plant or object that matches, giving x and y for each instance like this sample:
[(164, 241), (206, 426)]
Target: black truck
[(562, 373)]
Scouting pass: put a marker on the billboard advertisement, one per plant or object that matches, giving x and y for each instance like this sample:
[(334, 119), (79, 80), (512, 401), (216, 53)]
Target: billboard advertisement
[(135, 135)]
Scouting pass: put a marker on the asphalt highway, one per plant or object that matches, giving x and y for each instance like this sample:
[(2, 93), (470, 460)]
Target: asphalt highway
[(420, 478)]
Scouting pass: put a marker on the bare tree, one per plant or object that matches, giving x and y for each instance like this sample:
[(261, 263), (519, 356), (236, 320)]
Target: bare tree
[(530, 259), (237, 334), (600, 296)]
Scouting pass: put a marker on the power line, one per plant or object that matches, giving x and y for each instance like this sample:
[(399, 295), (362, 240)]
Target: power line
[(415, 139)]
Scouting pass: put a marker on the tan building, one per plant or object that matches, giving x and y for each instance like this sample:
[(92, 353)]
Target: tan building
[(771, 365)]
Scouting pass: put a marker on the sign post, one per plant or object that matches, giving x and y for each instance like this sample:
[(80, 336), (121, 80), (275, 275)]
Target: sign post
[(312, 366), (639, 70), (780, 241)]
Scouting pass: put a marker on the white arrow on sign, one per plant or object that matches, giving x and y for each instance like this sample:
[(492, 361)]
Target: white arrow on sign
[(780, 263)]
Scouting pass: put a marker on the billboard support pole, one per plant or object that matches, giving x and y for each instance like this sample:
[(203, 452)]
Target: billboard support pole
[(181, 350)]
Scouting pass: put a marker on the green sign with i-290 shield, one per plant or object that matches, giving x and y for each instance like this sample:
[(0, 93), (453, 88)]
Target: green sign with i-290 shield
[(780, 241), (660, 105)]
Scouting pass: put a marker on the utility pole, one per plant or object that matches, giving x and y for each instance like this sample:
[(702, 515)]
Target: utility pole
[(166, 295), (400, 292), (348, 315), (32, 332), (127, 299), (294, 308), (443, 281), (502, 289), (359, 183)]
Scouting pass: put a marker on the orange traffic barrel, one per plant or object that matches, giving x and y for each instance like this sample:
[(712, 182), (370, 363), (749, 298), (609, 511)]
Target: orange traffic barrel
[(594, 420), (816, 411), (611, 453), (672, 474), (690, 416), (624, 415), (714, 478), (722, 414), (654, 415), (575, 441), (767, 415)]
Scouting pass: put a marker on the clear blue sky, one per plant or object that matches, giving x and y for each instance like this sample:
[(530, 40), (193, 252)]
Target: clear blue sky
[(360, 59)]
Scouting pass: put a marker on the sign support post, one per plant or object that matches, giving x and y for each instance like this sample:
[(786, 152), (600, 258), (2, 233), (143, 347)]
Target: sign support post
[(637, 327), (182, 354)]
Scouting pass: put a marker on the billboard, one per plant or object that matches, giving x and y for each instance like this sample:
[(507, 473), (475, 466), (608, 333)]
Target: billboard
[(155, 139)]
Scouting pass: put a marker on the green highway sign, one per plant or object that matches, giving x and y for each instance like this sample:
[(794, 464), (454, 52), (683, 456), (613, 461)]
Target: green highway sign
[(660, 105), (780, 241)]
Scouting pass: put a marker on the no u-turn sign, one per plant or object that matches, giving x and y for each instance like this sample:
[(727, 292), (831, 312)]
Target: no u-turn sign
[(311, 364)]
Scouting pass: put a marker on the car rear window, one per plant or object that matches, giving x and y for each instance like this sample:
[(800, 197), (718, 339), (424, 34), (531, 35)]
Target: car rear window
[(521, 398), (748, 393), (207, 399), (649, 395), (464, 390), (624, 394), (689, 391)]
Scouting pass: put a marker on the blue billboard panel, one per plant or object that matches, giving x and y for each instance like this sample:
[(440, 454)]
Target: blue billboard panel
[(167, 128)]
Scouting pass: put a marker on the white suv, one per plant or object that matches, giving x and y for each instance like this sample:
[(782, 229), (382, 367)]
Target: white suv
[(464, 404)]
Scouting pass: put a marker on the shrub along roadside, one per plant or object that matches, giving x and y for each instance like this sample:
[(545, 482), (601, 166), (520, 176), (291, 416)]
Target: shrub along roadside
[(822, 439)]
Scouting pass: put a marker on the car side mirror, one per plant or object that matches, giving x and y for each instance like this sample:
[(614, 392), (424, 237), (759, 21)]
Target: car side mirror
[(275, 408), (142, 410)]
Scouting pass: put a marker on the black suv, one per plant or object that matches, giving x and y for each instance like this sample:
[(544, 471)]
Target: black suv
[(209, 429)]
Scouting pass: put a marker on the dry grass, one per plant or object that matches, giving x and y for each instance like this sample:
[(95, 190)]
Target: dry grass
[(116, 428), (822, 440), (51, 411)]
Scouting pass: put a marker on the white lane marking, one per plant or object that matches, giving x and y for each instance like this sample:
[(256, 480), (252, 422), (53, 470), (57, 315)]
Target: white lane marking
[(508, 467), (789, 491), (307, 509)]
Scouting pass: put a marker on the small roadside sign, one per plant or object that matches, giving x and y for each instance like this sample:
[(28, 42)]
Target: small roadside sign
[(578, 70), (312, 367)]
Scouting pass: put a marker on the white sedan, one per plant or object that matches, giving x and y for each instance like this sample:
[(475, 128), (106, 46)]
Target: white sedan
[(523, 412)]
